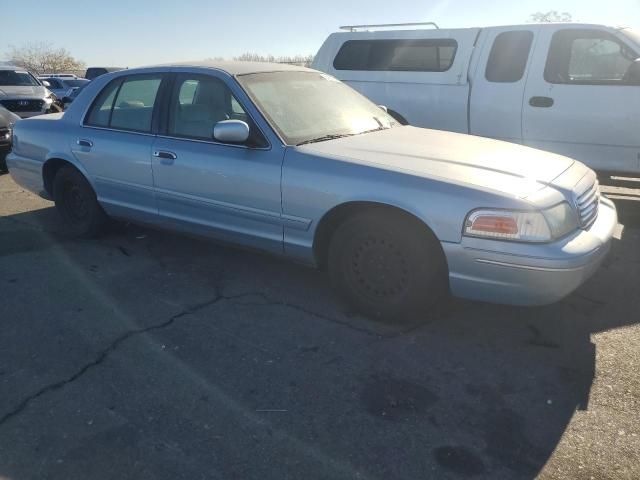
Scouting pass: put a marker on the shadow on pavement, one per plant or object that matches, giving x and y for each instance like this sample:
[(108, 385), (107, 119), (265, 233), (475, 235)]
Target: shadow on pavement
[(477, 390)]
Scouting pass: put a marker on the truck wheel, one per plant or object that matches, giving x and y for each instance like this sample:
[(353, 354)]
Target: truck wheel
[(76, 202), (387, 265)]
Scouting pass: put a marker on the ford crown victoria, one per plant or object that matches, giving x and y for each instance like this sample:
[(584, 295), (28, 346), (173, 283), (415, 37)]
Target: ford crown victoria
[(294, 162)]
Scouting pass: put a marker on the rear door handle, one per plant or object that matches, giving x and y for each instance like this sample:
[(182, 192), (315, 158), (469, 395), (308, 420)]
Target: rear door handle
[(83, 142), (541, 102), (166, 157)]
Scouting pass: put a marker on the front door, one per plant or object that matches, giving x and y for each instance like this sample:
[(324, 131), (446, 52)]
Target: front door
[(580, 101), (228, 191)]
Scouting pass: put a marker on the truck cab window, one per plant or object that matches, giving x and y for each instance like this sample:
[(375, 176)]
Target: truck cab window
[(588, 57), (416, 55), (508, 58)]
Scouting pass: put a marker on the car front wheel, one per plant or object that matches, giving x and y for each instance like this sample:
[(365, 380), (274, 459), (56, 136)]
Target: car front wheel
[(76, 202), (387, 265)]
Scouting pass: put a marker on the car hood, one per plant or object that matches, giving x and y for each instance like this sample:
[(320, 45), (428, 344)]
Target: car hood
[(15, 91), (466, 159)]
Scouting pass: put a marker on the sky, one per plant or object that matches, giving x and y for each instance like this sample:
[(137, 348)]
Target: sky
[(129, 33)]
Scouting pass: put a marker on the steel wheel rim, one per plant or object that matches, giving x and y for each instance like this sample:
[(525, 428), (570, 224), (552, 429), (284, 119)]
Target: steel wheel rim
[(378, 269)]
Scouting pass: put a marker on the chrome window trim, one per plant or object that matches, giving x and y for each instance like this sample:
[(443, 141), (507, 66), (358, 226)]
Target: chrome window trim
[(211, 142), (269, 146), (133, 132)]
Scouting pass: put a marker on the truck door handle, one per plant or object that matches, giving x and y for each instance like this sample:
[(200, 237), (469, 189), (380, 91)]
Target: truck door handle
[(82, 142), (166, 157), (541, 102)]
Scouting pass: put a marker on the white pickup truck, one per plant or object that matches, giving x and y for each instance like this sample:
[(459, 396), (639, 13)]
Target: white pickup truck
[(573, 89)]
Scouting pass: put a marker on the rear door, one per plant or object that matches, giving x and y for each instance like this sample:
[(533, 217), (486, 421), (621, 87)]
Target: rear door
[(498, 82), (578, 101), (114, 145)]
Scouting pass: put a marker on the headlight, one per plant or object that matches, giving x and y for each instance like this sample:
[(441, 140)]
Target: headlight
[(562, 219), (541, 226)]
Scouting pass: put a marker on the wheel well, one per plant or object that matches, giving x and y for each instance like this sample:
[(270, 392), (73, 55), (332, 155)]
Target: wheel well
[(337, 215), (49, 171)]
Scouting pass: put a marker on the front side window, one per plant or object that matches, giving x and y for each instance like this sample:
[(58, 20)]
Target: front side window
[(588, 57), (508, 57), (306, 106), (419, 55), (17, 78), (126, 104), (199, 102)]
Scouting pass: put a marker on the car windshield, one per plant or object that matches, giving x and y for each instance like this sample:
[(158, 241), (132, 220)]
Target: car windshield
[(75, 83), (309, 106), (17, 78)]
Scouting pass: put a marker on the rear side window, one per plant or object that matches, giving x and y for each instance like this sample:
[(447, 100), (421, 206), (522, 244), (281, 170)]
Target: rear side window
[(126, 104), (420, 55), (508, 57), (588, 57)]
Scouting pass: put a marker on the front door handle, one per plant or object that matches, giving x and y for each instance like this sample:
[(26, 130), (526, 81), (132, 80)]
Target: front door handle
[(83, 142), (541, 102), (166, 157)]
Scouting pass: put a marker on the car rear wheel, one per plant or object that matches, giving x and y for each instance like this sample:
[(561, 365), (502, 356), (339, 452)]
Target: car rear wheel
[(76, 202), (387, 265)]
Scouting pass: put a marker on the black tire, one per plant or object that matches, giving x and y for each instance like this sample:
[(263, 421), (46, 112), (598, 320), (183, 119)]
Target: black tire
[(387, 265), (3, 163), (76, 202)]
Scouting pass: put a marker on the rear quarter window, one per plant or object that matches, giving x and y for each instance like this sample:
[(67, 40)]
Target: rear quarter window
[(419, 55)]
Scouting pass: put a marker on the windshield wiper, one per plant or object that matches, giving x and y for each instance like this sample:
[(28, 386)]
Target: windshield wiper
[(324, 138)]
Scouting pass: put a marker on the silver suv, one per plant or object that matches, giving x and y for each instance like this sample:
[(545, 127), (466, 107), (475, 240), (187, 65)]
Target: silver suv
[(22, 93)]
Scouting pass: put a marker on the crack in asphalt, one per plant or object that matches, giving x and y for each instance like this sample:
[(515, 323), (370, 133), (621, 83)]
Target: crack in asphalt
[(102, 356), (114, 344), (266, 301)]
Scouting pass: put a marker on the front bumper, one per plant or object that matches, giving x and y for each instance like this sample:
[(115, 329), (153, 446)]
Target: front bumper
[(530, 274)]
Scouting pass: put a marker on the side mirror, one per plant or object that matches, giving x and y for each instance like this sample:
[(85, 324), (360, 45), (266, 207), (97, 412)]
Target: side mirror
[(632, 77), (383, 107), (231, 131), (45, 83)]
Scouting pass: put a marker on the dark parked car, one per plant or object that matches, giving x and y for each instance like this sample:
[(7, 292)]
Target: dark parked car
[(7, 119), (95, 72)]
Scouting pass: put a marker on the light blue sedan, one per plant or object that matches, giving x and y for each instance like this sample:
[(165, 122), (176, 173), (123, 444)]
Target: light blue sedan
[(294, 162)]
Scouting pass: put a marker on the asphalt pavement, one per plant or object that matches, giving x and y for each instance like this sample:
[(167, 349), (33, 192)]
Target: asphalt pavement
[(150, 355)]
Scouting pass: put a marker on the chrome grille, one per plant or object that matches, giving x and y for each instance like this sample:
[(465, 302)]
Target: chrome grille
[(23, 105), (587, 203)]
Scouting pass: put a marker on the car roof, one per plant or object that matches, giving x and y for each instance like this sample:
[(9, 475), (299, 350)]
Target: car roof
[(12, 67), (234, 67)]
